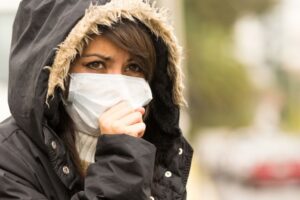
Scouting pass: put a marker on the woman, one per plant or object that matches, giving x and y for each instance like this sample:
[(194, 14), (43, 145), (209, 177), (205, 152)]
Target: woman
[(94, 92)]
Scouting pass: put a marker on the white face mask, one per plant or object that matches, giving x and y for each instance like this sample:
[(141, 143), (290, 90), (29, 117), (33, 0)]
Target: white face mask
[(91, 94)]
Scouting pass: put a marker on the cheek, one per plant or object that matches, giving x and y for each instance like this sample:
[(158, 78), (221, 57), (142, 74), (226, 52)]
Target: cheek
[(134, 74)]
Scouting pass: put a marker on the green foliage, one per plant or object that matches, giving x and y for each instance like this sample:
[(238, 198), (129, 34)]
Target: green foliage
[(220, 93), (291, 116), (290, 87), (225, 12)]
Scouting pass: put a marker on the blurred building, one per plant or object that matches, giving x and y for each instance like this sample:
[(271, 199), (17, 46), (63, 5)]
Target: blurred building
[(268, 41)]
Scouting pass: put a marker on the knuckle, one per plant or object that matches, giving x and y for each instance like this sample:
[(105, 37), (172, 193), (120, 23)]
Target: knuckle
[(126, 131), (115, 125), (138, 115), (143, 126)]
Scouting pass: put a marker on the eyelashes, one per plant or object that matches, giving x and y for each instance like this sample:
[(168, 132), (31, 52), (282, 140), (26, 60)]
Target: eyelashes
[(135, 68), (95, 65), (131, 69)]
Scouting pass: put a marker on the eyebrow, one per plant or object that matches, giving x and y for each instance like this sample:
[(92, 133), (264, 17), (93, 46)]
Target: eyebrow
[(106, 58)]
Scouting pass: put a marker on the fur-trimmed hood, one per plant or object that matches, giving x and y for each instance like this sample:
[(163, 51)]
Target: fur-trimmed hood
[(108, 14), (48, 34)]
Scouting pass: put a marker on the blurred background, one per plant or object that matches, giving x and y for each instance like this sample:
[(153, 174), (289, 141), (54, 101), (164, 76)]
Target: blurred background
[(242, 71)]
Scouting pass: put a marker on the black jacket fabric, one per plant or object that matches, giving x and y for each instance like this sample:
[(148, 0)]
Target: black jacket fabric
[(35, 163)]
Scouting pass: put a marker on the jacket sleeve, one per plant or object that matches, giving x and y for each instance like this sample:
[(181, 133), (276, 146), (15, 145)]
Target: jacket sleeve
[(16, 178), (13, 187), (123, 169), (173, 168)]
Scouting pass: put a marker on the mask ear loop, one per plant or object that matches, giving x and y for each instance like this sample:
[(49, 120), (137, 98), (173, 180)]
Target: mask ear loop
[(65, 93)]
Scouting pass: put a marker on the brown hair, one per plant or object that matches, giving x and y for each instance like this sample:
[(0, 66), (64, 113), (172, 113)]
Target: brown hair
[(132, 37)]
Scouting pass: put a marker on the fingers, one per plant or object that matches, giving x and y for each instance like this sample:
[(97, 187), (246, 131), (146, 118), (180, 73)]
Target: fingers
[(136, 130), (134, 127), (141, 110), (122, 118), (118, 111), (132, 118)]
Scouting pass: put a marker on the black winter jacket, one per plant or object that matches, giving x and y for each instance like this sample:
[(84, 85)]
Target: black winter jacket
[(35, 163)]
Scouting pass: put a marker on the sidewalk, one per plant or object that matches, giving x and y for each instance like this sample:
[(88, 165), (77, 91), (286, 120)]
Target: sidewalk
[(199, 186)]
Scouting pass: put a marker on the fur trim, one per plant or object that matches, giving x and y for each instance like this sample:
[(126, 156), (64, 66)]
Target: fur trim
[(155, 19)]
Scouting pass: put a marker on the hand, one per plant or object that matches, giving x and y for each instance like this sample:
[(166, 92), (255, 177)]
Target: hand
[(122, 118)]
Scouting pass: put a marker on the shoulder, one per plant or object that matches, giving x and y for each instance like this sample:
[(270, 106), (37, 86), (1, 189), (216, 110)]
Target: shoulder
[(13, 140), (7, 128), (15, 152), (15, 144)]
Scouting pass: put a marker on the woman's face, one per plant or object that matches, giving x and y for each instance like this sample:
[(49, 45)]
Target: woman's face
[(103, 56)]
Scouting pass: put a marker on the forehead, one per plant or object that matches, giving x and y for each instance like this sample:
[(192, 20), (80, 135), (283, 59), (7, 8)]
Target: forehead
[(101, 44)]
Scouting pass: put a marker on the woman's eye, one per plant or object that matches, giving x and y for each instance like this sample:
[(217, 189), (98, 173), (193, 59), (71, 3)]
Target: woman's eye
[(95, 65), (135, 68)]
